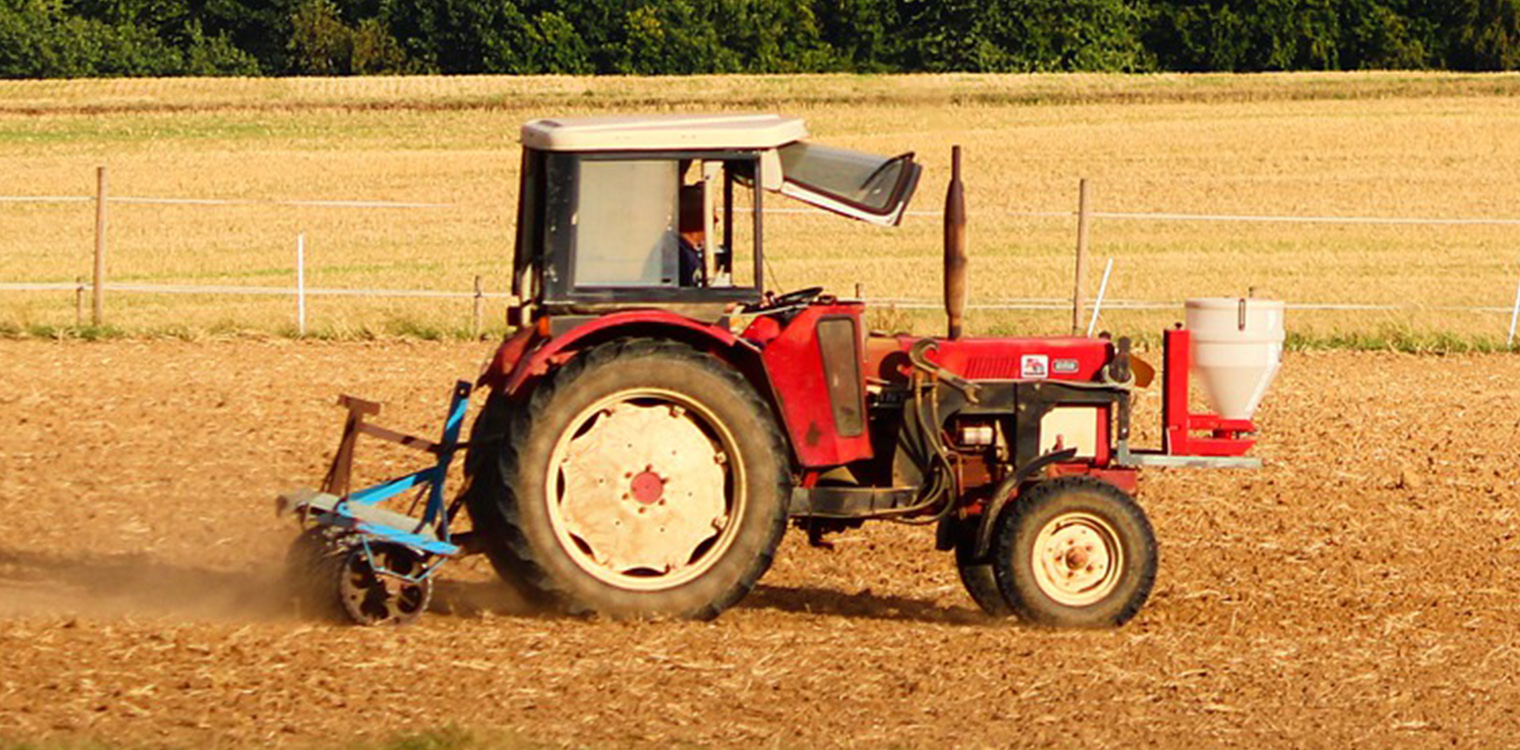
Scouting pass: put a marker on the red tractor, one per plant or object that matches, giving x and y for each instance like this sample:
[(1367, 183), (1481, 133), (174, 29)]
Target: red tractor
[(658, 417)]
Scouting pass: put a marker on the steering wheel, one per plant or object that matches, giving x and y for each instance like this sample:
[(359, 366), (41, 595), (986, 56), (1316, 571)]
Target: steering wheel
[(795, 298)]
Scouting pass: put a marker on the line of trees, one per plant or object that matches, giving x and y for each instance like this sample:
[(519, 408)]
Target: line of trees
[(83, 38)]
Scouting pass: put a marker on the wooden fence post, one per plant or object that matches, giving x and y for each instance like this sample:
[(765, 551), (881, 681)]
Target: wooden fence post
[(1079, 296), (98, 299), (479, 308)]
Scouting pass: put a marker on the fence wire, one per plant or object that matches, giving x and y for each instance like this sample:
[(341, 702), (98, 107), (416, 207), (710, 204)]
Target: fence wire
[(902, 303)]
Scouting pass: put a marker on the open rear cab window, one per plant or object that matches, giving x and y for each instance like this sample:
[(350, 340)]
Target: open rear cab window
[(862, 186)]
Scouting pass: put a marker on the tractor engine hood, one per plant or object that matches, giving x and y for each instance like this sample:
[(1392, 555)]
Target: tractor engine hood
[(1058, 358)]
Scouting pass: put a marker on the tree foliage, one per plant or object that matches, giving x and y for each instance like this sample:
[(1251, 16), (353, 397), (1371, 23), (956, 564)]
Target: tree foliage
[(81, 38)]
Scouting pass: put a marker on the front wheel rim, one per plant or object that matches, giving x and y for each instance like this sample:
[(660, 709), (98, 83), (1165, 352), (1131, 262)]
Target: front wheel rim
[(645, 489), (1077, 559)]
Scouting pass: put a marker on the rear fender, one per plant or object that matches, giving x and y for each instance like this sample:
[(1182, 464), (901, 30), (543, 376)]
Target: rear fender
[(504, 363), (532, 352)]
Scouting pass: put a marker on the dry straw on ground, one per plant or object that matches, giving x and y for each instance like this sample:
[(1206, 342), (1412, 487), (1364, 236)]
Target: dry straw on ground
[(1358, 591), (1418, 145)]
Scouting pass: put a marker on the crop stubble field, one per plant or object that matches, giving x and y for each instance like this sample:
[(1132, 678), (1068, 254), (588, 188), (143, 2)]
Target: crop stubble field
[(1379, 145), (1358, 591)]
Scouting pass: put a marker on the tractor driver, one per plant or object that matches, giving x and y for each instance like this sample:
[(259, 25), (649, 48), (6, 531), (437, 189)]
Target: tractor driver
[(692, 239)]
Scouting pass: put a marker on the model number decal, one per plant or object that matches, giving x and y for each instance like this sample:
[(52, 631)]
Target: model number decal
[(1063, 366)]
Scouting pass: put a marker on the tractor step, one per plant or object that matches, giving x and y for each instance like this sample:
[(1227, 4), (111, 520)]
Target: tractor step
[(850, 502)]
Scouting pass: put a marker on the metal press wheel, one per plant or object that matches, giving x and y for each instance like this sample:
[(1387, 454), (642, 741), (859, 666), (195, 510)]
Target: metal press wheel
[(370, 597), (642, 479), (1074, 552)]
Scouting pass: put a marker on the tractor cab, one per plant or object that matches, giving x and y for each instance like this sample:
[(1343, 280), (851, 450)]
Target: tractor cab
[(618, 213)]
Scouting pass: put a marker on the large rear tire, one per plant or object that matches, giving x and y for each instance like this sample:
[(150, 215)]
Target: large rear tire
[(1074, 552), (483, 488), (643, 479)]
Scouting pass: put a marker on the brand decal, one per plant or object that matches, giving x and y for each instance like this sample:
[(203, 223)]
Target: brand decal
[(1034, 366)]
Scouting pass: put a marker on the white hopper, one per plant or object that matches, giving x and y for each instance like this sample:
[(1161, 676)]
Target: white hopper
[(1237, 350)]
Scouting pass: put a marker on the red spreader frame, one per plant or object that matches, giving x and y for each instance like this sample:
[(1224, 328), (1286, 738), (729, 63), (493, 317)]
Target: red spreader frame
[(1226, 437)]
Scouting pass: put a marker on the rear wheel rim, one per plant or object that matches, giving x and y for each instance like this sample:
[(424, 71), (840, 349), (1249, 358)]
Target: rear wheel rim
[(645, 489), (1077, 559)]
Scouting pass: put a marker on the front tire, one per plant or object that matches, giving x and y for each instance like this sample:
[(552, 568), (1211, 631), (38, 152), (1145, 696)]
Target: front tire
[(1075, 552), (977, 574), (643, 479)]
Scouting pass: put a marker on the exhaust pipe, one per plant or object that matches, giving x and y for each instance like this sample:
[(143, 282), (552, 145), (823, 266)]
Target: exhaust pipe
[(955, 247)]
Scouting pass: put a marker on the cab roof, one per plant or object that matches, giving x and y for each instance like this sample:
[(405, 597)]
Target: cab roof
[(663, 132)]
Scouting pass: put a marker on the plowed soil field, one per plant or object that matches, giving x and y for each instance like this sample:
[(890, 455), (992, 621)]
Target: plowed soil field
[(1363, 590)]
